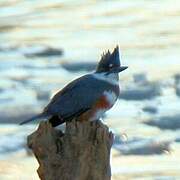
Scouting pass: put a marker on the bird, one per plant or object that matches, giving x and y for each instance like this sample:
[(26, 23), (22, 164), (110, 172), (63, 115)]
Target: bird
[(86, 98)]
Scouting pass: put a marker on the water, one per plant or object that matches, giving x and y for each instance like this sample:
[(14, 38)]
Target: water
[(148, 35)]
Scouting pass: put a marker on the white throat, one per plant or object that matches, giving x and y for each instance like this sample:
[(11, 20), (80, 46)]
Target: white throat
[(111, 78)]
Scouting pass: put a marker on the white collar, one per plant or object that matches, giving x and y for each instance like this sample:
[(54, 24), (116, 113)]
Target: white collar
[(111, 78)]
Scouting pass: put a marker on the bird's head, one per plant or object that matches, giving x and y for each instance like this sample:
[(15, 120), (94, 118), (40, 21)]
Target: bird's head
[(110, 63)]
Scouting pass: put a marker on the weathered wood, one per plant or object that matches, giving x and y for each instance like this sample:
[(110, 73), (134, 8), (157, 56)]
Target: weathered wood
[(81, 153)]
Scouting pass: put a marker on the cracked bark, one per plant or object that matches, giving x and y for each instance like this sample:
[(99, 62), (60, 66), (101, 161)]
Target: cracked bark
[(82, 152)]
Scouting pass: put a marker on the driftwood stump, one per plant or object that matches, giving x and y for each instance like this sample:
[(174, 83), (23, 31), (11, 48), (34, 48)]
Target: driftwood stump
[(82, 152)]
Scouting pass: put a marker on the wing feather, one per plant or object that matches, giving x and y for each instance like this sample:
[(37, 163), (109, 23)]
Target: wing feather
[(76, 97)]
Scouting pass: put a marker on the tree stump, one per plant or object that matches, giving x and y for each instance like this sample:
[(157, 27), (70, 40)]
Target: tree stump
[(82, 152)]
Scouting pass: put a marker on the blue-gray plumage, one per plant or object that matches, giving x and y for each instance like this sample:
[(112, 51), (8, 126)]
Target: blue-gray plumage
[(87, 97), (79, 95)]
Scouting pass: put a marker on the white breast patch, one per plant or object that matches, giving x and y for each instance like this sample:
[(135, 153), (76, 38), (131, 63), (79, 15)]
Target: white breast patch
[(111, 98)]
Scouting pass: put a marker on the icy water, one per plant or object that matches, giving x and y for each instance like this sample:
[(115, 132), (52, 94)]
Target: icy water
[(46, 44)]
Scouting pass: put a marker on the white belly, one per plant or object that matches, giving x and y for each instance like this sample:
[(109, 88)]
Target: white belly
[(111, 98)]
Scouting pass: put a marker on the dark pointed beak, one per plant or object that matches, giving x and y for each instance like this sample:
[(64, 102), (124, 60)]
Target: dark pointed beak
[(118, 69)]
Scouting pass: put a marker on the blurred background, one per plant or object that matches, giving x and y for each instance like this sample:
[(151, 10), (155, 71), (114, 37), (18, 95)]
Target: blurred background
[(46, 44)]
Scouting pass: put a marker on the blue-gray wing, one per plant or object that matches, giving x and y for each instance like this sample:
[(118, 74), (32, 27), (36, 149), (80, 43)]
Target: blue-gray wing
[(76, 97)]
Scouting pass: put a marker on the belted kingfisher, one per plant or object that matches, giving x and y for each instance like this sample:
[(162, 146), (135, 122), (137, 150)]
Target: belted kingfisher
[(88, 97)]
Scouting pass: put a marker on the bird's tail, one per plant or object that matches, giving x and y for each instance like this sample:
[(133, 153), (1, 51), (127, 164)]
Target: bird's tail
[(39, 116)]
